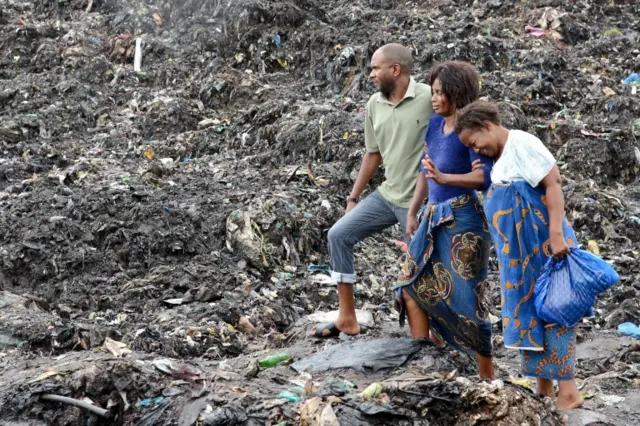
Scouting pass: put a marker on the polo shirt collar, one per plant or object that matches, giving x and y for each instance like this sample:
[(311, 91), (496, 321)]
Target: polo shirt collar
[(410, 94), (411, 90)]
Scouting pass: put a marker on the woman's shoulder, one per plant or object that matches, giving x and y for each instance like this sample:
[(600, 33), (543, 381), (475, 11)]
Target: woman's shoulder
[(527, 145), (435, 119), (522, 138), (435, 124), (433, 128)]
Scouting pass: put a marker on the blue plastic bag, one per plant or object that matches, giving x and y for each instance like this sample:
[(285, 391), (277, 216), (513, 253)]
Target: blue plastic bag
[(629, 329), (566, 290)]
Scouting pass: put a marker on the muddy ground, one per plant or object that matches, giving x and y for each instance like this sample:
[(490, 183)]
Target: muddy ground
[(163, 229)]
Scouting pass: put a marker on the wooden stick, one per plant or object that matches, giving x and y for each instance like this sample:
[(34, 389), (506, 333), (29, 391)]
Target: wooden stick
[(137, 59), (77, 403)]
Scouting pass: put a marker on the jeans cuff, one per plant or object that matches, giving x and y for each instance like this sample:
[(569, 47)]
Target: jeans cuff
[(343, 278)]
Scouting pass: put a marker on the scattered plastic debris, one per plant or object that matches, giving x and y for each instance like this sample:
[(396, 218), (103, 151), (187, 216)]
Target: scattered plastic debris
[(175, 210)]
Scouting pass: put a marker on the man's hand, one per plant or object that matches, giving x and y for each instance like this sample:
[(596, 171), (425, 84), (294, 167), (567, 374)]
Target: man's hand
[(477, 164), (350, 205), (412, 225), (559, 247), (433, 172)]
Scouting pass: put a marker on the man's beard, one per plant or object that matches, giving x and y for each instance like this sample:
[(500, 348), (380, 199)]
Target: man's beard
[(386, 88)]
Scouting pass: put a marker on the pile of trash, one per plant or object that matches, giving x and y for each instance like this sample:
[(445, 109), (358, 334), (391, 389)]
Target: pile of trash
[(143, 390), (169, 173)]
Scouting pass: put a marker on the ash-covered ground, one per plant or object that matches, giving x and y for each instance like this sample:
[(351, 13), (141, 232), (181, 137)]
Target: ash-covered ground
[(164, 229)]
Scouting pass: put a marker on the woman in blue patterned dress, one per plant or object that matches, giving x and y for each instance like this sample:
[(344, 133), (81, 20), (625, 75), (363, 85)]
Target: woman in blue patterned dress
[(446, 265), (525, 208)]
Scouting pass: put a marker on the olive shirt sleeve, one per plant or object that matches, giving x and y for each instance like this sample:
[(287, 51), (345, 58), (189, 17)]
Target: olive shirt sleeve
[(370, 141), (425, 151)]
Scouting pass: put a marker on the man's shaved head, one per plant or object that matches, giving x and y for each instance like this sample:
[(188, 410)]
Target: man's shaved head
[(391, 66), (395, 53)]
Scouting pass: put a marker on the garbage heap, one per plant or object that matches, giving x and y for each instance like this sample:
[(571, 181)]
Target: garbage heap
[(181, 209)]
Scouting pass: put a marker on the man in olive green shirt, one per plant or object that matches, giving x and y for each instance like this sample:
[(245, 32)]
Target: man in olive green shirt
[(395, 125)]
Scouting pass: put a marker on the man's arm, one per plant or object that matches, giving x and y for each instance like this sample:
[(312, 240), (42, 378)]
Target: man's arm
[(370, 163), (371, 160)]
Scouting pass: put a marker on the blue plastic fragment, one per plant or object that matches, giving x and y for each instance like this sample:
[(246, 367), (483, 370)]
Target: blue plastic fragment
[(632, 79), (629, 329)]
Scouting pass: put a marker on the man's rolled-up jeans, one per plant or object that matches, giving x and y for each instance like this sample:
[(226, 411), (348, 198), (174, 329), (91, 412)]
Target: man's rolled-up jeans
[(370, 216)]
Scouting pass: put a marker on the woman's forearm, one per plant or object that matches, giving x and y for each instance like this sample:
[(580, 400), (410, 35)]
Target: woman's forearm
[(555, 201), (555, 204), (472, 180)]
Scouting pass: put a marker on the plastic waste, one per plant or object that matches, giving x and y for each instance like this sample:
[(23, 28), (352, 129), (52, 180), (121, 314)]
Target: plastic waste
[(612, 400), (632, 79), (191, 411), (361, 355), (373, 409), (566, 289), (230, 414), (629, 329), (150, 402), (524, 381), (273, 360), (324, 269), (373, 390), (534, 31), (365, 318), (289, 396), (335, 387), (293, 394), (328, 416)]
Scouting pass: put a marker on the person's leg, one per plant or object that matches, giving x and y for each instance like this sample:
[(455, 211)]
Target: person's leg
[(545, 388), (569, 397), (463, 247), (417, 317), (370, 216), (556, 361), (347, 321), (485, 365)]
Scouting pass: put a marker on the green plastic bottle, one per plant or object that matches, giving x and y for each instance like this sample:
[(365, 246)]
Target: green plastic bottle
[(273, 360), (289, 396)]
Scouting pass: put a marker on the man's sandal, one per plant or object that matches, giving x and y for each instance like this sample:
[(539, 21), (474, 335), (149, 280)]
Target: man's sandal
[(321, 331)]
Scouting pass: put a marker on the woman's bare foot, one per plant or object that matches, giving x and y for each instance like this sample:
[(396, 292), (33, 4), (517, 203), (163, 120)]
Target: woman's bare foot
[(545, 388), (569, 397), (485, 365), (571, 402), (435, 340)]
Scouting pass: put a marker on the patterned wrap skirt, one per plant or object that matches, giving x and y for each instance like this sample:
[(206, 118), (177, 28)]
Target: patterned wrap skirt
[(519, 220), (445, 272)]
